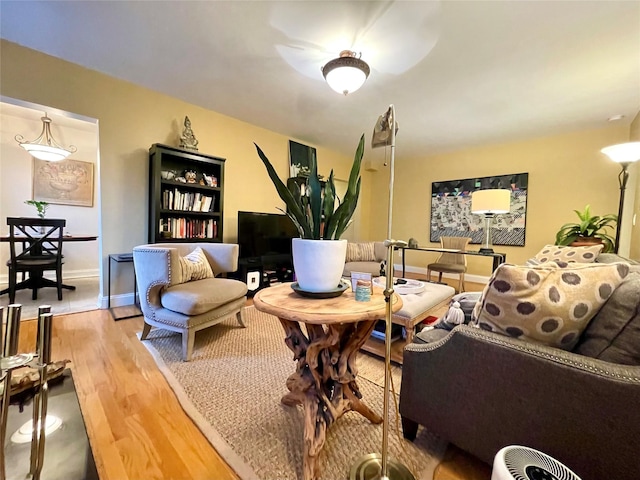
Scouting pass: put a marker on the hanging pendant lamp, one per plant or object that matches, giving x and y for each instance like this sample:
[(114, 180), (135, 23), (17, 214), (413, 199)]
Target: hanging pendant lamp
[(347, 73), (45, 147)]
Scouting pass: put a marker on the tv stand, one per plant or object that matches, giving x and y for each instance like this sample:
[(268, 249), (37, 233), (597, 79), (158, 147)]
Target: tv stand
[(262, 272)]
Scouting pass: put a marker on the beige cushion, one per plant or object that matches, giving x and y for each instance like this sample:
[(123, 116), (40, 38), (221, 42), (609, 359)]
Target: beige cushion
[(568, 254), (551, 303), (195, 266), (196, 297), (360, 252)]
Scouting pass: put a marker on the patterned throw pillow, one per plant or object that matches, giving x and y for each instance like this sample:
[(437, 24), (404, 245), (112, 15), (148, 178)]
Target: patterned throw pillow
[(551, 303), (195, 266), (360, 252), (568, 254)]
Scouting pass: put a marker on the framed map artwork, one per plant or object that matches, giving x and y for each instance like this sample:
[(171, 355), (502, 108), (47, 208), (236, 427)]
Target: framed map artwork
[(451, 210)]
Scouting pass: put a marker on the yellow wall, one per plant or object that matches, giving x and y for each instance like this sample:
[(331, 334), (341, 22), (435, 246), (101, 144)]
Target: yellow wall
[(131, 119), (566, 172)]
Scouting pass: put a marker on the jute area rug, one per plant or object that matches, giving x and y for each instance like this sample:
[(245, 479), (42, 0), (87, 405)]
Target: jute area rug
[(232, 389)]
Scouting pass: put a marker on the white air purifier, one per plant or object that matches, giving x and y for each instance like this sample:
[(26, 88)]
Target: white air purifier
[(523, 463)]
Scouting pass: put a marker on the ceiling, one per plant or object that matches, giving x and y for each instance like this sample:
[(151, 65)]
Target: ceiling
[(460, 73)]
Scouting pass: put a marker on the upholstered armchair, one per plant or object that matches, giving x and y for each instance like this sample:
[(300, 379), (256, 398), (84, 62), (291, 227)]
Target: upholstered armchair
[(365, 257), (181, 289)]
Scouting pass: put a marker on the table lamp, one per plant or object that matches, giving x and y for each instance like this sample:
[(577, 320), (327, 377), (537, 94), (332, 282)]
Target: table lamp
[(490, 202)]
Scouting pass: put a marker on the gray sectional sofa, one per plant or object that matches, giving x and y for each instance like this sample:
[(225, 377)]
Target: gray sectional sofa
[(483, 390)]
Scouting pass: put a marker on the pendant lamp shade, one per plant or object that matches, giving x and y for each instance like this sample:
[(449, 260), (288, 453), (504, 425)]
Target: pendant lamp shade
[(45, 147), (347, 73)]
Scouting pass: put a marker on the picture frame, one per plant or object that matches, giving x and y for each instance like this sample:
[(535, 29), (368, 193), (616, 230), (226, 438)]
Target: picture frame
[(67, 182), (451, 210), (300, 156)]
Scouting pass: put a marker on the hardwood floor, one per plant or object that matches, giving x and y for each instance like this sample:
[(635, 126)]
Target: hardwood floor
[(136, 427)]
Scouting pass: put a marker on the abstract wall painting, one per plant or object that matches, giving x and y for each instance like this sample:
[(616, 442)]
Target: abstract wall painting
[(451, 210)]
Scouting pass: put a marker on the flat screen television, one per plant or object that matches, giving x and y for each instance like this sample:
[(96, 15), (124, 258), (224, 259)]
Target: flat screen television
[(265, 234)]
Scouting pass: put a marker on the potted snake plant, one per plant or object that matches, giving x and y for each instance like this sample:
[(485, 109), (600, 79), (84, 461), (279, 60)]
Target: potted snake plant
[(319, 253)]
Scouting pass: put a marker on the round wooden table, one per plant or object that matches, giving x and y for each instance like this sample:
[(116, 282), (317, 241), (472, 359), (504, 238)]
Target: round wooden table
[(324, 382)]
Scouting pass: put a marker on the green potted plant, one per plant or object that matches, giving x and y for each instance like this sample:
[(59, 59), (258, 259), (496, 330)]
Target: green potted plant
[(591, 229), (319, 254), (40, 206)]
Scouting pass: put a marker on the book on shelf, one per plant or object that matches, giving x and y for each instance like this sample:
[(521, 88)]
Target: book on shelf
[(182, 228)]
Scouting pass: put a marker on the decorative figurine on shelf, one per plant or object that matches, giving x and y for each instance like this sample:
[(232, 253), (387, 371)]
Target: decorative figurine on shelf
[(413, 243), (188, 139), (211, 180), (190, 176)]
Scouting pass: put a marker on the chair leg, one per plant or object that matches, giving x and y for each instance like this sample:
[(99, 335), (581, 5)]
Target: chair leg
[(439, 277), (188, 339), (428, 275), (241, 318), (461, 287), (145, 331), (59, 282), (409, 429), (12, 286)]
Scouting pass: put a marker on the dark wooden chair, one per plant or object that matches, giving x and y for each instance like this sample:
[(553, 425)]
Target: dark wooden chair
[(35, 246)]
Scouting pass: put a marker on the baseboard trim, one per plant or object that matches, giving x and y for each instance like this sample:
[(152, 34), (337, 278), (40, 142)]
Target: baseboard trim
[(120, 300), (66, 275)]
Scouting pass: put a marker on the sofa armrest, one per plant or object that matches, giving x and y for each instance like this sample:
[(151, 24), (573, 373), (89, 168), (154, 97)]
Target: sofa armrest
[(483, 391)]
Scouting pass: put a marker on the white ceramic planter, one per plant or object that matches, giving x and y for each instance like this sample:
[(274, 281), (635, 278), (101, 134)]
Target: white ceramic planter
[(318, 263)]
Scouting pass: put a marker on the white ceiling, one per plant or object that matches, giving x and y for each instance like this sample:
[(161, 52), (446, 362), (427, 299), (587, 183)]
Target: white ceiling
[(460, 73)]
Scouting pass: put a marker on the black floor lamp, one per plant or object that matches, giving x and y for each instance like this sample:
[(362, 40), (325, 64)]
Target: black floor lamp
[(374, 466), (624, 154)]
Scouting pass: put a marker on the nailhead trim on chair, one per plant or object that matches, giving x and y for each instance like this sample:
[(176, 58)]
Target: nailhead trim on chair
[(167, 253), (207, 319), (469, 331)]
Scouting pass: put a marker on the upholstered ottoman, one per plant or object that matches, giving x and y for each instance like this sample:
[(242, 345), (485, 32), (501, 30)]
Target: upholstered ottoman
[(415, 308)]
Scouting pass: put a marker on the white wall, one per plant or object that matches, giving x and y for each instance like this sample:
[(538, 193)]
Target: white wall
[(16, 169)]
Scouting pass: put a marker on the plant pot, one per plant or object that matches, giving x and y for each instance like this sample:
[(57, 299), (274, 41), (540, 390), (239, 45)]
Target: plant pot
[(318, 264), (586, 242)]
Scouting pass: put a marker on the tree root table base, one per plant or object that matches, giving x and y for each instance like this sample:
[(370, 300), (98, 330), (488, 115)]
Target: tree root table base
[(324, 382)]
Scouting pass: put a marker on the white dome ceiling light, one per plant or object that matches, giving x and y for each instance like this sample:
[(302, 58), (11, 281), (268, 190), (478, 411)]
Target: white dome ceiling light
[(347, 73)]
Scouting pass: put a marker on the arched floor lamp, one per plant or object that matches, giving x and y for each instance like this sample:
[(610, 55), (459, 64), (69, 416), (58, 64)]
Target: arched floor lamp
[(624, 154), (376, 466)]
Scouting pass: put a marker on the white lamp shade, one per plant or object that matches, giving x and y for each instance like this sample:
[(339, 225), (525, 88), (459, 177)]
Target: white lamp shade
[(346, 79), (623, 152), (494, 201), (45, 152)]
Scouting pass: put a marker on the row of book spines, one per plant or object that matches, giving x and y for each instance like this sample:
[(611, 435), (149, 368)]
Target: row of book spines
[(187, 201), (188, 228)]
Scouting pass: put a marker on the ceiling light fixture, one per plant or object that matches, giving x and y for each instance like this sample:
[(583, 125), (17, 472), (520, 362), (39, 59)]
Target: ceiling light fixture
[(347, 73), (45, 147)]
